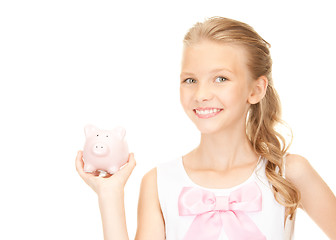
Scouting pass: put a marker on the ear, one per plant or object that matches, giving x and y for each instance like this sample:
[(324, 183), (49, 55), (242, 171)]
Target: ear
[(120, 131), (88, 129), (258, 90)]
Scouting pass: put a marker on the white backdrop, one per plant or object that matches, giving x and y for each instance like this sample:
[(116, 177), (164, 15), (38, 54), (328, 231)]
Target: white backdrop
[(67, 63)]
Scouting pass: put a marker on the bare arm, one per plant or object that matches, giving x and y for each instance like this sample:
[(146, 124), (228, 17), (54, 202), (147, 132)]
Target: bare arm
[(112, 213), (317, 199), (150, 218), (110, 191)]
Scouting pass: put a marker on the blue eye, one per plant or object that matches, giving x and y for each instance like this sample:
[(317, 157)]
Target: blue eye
[(221, 79), (189, 80)]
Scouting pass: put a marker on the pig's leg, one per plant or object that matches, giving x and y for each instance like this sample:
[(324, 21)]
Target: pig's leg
[(89, 168)]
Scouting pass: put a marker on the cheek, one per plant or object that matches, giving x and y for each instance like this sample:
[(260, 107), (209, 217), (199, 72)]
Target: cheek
[(232, 96), (184, 97)]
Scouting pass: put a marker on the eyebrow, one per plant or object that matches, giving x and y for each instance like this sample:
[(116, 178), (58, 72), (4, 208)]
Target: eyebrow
[(212, 71)]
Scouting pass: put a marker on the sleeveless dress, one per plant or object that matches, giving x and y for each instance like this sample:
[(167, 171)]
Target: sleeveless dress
[(172, 178)]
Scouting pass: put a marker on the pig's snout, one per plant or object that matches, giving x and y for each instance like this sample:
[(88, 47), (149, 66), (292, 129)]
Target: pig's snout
[(100, 149)]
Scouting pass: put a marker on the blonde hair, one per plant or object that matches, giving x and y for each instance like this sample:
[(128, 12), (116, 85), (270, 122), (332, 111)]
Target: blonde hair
[(264, 116)]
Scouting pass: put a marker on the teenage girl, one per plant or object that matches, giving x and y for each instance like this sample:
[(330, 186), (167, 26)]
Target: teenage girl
[(240, 182)]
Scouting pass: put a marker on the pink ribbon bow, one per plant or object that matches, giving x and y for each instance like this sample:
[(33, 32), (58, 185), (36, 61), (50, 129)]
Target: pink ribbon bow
[(213, 213)]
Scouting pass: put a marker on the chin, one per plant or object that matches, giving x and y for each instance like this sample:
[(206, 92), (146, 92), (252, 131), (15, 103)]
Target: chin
[(209, 128)]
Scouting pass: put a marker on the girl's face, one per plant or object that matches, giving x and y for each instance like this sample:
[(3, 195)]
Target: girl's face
[(215, 85)]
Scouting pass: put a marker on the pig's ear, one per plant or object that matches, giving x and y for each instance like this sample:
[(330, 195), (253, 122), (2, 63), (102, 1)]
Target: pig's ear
[(120, 131), (88, 129)]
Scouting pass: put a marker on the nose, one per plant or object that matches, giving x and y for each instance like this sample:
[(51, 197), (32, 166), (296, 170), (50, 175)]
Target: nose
[(203, 93), (100, 149)]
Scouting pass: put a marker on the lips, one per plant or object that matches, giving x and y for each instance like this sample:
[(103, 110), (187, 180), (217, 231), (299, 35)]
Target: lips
[(207, 112)]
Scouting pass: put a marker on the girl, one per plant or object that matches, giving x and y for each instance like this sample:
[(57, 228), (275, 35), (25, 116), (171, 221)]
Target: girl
[(240, 182)]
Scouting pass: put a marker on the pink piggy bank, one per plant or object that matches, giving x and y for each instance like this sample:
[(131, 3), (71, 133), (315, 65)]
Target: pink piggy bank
[(104, 150)]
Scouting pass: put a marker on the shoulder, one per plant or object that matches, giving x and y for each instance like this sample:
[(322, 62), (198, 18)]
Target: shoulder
[(301, 174), (310, 184), (296, 167), (304, 177), (149, 179)]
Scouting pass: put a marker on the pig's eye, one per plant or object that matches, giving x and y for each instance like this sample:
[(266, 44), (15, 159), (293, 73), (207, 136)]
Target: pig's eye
[(106, 135), (97, 135)]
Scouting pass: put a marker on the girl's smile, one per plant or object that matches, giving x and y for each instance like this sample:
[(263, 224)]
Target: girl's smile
[(207, 112)]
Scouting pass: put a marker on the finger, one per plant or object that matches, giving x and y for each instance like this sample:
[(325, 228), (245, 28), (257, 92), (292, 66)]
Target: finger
[(130, 165), (132, 161), (80, 164)]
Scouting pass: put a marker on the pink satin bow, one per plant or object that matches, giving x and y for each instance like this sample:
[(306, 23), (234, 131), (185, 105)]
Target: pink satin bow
[(213, 213)]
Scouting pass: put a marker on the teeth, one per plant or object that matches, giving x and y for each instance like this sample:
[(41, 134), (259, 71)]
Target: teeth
[(208, 111)]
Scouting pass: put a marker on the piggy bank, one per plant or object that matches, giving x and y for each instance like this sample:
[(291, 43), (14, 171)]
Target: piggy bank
[(104, 150)]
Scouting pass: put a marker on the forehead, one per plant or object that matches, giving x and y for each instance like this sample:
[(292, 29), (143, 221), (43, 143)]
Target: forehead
[(207, 55)]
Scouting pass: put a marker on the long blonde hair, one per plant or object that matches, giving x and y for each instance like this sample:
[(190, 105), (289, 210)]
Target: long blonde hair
[(263, 117)]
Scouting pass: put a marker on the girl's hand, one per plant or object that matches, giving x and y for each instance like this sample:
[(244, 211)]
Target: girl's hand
[(109, 183)]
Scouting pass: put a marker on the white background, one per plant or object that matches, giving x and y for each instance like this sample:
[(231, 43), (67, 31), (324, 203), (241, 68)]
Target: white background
[(67, 63)]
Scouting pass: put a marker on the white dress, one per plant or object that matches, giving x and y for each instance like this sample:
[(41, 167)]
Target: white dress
[(172, 177)]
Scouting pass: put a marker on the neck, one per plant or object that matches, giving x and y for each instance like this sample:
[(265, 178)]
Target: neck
[(224, 150)]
